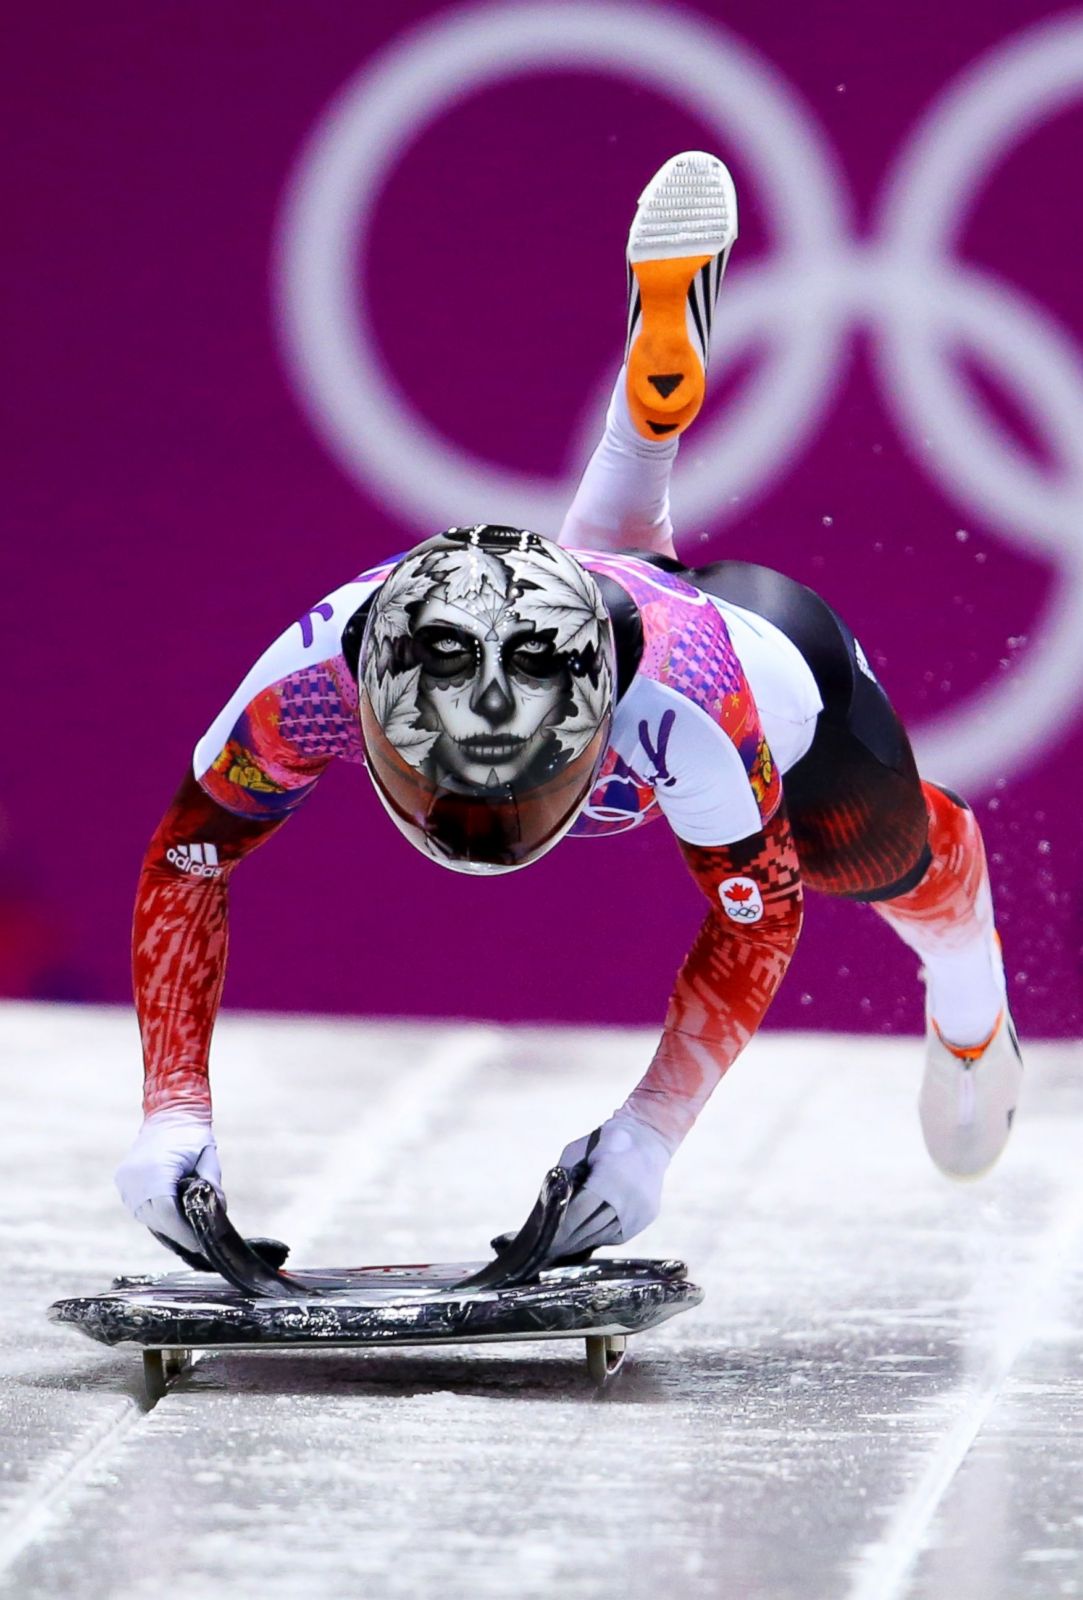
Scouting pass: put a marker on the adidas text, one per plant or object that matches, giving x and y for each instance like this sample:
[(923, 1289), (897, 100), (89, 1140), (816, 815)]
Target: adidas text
[(199, 860)]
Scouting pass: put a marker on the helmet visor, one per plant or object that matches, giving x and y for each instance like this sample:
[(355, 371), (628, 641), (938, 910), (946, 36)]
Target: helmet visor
[(483, 831)]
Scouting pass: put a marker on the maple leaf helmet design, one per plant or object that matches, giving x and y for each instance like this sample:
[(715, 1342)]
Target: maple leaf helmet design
[(486, 694)]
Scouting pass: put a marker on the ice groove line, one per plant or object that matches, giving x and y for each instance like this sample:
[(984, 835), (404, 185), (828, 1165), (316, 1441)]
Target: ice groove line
[(362, 1153), (400, 1116), (396, 1119), (885, 1573), (32, 1515), (754, 1166), (392, 1122)]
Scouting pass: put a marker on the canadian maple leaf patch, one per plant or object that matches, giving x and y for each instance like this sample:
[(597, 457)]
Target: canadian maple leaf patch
[(741, 899)]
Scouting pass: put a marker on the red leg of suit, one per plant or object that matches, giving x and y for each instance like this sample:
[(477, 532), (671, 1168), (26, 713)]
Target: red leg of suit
[(948, 920)]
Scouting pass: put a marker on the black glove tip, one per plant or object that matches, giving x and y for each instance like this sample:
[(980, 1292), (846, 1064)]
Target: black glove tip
[(272, 1251)]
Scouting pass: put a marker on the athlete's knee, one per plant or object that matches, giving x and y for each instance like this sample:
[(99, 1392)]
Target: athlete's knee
[(954, 844), (942, 801), (954, 833)]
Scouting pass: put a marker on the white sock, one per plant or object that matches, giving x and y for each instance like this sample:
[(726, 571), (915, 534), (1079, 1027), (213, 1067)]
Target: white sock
[(622, 502), (966, 991), (963, 965)]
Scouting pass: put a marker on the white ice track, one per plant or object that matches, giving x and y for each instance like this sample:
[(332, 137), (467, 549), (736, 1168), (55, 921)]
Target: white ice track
[(880, 1398)]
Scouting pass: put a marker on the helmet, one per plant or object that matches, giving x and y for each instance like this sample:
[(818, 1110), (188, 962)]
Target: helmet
[(486, 695)]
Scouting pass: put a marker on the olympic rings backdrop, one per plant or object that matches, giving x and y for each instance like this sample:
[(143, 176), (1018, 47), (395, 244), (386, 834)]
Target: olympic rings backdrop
[(294, 287)]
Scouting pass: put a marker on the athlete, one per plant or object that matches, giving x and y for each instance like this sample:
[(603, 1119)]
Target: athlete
[(505, 690)]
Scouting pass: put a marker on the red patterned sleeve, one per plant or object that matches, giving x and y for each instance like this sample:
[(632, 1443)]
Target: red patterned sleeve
[(179, 942), (730, 976)]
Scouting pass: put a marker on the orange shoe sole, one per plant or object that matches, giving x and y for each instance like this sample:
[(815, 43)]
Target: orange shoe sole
[(666, 381)]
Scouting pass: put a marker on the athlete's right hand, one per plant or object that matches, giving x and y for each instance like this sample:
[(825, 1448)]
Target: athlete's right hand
[(170, 1145)]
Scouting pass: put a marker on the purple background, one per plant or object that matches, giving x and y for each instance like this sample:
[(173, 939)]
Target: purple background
[(170, 507)]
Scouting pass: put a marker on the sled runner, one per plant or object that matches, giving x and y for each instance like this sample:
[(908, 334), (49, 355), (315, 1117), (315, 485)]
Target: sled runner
[(241, 1299)]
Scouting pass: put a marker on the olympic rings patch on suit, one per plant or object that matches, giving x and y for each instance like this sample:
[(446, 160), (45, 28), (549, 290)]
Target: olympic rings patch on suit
[(741, 899)]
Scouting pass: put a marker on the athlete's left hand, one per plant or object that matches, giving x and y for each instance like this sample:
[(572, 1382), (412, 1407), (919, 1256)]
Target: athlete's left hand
[(623, 1165)]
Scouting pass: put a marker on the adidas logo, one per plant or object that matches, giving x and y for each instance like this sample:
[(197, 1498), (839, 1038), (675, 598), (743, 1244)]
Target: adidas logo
[(200, 860)]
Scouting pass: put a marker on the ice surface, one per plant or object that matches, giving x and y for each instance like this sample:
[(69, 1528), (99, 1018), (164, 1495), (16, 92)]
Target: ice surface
[(880, 1396)]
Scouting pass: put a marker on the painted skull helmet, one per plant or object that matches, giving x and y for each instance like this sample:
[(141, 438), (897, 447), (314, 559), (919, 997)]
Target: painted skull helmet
[(486, 695)]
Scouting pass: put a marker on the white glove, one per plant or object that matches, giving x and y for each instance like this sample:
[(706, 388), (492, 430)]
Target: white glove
[(171, 1145), (626, 1170)]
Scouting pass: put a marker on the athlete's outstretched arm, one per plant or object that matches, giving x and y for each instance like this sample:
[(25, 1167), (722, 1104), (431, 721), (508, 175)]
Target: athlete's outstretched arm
[(180, 941), (179, 947), (729, 978), (257, 762), (264, 753), (723, 990)]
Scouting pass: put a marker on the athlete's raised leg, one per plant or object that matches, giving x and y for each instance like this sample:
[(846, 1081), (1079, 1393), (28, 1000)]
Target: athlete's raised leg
[(678, 246)]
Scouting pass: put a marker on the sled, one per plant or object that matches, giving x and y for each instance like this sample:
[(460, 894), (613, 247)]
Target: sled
[(242, 1299)]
